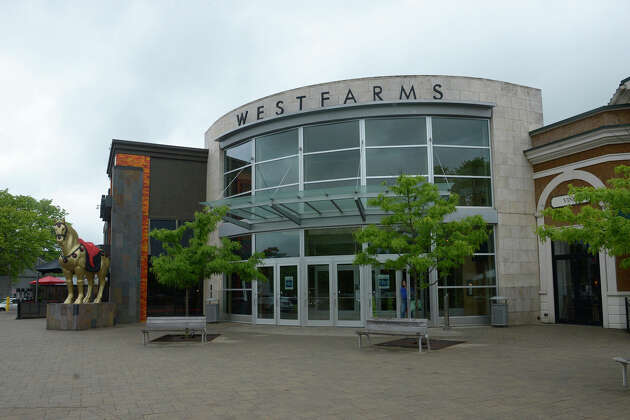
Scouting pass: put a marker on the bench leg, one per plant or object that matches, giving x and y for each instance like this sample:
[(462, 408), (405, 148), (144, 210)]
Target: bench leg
[(419, 344), (426, 337), (624, 375)]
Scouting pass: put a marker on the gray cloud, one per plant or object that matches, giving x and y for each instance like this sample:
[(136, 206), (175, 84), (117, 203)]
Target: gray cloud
[(74, 75)]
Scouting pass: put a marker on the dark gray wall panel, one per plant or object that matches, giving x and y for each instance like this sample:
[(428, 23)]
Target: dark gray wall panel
[(126, 240), (177, 188)]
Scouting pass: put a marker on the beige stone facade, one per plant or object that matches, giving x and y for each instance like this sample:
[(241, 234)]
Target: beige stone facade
[(515, 111)]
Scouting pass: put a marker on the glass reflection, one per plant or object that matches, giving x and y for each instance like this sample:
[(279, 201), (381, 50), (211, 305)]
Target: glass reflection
[(395, 161), (395, 131), (277, 145), (466, 301), (459, 161), (289, 292), (348, 293), (265, 294), (319, 242), (471, 191), (277, 172), (332, 165), (384, 293), (238, 182), (477, 270), (279, 244), (460, 131), (318, 292), (341, 135), (238, 156)]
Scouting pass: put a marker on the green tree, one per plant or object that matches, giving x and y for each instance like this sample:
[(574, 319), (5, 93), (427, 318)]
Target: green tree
[(26, 232), (415, 230), (603, 222), (183, 266)]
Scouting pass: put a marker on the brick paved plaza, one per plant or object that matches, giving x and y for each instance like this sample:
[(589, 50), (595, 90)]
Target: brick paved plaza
[(553, 371)]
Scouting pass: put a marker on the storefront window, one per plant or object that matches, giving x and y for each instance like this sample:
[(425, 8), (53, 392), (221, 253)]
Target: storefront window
[(246, 246), (238, 182), (471, 191), (279, 244), (384, 293), (460, 161), (324, 166), (330, 242), (396, 161), (237, 296)]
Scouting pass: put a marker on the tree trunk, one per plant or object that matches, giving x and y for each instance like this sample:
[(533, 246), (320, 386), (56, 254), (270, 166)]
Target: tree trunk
[(186, 301)]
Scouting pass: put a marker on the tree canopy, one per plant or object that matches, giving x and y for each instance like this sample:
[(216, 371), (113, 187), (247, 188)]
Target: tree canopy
[(603, 222), (415, 230), (184, 265), (26, 232)]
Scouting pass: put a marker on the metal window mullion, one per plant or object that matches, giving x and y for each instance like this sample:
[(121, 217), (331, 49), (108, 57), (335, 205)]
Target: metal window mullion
[(320, 152), (253, 160), (430, 148), (240, 168), (491, 171), (301, 158), (401, 146), (461, 146), (275, 159), (362, 160)]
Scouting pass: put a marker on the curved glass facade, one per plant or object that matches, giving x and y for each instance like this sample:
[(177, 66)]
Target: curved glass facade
[(310, 276), (454, 153)]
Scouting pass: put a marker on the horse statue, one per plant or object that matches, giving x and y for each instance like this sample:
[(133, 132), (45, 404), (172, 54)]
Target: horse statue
[(83, 259)]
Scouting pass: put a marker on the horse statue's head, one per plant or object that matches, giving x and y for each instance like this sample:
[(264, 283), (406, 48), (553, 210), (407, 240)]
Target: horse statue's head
[(62, 228)]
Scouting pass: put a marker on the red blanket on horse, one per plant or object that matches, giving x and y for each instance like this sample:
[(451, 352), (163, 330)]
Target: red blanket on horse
[(93, 262)]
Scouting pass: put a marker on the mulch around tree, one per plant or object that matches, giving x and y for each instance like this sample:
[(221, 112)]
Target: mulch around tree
[(412, 343), (182, 338)]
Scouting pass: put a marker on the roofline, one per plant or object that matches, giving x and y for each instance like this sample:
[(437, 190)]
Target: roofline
[(578, 117), (151, 149), (361, 78)]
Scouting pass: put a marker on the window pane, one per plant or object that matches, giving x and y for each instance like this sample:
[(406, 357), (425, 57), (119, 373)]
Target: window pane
[(460, 132), (330, 242), (234, 281), (384, 293), (276, 193), (277, 145), (408, 161), (238, 182), (396, 131), (471, 191), (331, 136), (318, 292), (331, 165), (466, 301), (338, 187), (238, 302), (379, 181), (238, 156), (488, 247), (278, 172), (265, 294), (278, 244), (477, 270), (246, 246), (458, 161)]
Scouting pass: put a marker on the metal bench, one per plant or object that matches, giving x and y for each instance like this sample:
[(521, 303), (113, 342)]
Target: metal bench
[(400, 327), (624, 369), (175, 324)]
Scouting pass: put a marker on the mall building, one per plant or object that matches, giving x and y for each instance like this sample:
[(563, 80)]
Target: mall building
[(297, 169)]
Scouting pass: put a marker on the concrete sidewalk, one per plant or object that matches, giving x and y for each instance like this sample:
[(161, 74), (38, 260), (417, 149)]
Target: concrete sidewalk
[(551, 371)]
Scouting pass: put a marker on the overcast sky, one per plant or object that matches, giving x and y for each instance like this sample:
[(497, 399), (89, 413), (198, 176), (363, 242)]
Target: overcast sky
[(76, 74)]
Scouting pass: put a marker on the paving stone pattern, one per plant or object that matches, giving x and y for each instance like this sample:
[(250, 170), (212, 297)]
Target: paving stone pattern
[(528, 372)]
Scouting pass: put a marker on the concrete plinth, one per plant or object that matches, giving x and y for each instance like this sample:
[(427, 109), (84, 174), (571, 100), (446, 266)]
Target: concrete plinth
[(61, 316)]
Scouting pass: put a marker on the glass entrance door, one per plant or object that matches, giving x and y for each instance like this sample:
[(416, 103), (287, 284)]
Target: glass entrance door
[(577, 288), (288, 294), (348, 300), (318, 294), (266, 308), (384, 291)]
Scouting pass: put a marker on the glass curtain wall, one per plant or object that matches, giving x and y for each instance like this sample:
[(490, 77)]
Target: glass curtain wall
[(471, 285), (454, 153)]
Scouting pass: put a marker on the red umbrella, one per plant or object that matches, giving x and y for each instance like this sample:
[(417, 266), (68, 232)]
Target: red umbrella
[(50, 280)]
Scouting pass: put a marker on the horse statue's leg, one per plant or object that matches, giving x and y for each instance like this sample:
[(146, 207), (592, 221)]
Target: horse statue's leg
[(102, 278), (68, 275), (88, 293), (80, 272)]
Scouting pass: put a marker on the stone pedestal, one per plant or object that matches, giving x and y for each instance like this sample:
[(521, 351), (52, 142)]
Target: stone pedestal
[(61, 316)]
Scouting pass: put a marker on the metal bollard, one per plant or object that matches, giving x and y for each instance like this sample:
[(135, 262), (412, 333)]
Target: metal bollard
[(8, 304), (447, 321)]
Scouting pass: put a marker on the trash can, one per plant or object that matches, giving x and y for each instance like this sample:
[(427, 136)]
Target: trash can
[(498, 311), (212, 310)]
